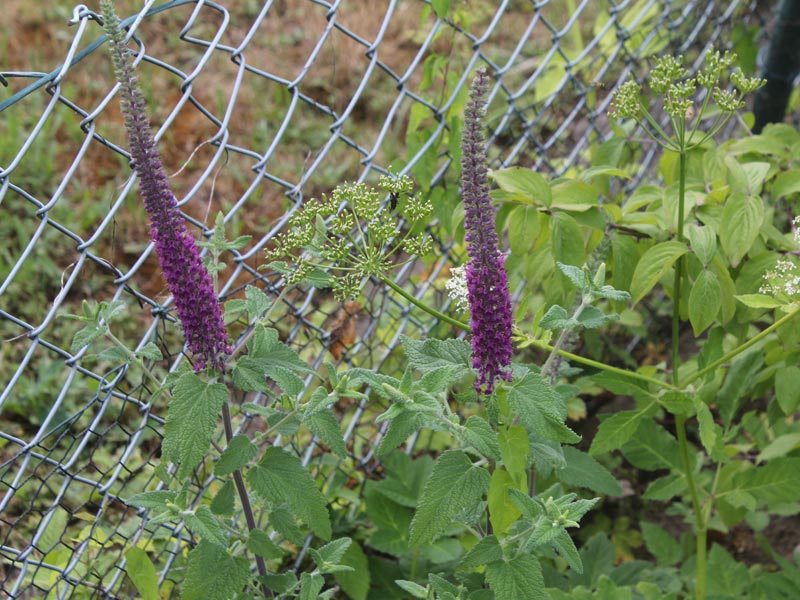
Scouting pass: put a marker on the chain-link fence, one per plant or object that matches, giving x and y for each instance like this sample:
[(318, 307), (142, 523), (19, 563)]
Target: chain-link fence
[(258, 106)]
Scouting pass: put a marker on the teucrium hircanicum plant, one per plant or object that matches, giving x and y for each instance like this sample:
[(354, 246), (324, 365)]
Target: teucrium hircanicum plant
[(487, 284), (188, 281)]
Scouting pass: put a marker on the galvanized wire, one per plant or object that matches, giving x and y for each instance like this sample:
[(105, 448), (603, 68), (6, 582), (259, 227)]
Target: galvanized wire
[(80, 435)]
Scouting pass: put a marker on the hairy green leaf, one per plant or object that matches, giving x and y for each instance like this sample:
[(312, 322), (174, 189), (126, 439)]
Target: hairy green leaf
[(592, 317), (192, 419), (280, 477), (155, 499), (310, 586), (204, 524), (433, 354), (151, 351), (213, 574), (325, 426), (259, 543), (268, 357), (257, 302), (237, 454), (400, 427), (415, 589), (557, 318), (480, 435), (540, 409), (281, 582), (455, 485), (517, 579), (486, 551), (566, 548), (575, 275), (282, 520), (223, 502)]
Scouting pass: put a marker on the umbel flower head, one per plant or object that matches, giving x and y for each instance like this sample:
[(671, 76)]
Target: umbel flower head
[(187, 278), (487, 284)]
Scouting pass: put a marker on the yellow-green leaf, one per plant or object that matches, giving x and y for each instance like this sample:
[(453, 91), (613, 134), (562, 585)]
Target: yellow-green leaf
[(653, 265), (704, 301), (502, 511)]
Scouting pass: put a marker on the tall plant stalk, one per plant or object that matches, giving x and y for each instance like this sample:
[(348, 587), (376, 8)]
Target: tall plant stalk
[(680, 420)]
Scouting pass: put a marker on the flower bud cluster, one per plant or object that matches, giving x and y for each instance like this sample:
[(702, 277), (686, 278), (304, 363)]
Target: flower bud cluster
[(352, 234), (670, 80)]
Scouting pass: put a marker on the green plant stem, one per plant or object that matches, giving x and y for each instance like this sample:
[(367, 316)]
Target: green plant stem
[(541, 345), (676, 304), (560, 342), (680, 421), (244, 498), (603, 366), (428, 309), (739, 349), (700, 521), (135, 359)]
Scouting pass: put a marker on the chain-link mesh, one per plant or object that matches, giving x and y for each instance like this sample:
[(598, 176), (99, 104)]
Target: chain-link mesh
[(258, 107)]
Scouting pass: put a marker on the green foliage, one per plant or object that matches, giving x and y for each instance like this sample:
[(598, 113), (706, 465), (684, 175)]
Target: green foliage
[(519, 578), (455, 486), (237, 454), (540, 409), (192, 419), (268, 358), (280, 477), (214, 574), (142, 573)]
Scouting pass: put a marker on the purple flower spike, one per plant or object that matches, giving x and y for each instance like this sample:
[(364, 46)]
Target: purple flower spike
[(186, 276), (489, 301)]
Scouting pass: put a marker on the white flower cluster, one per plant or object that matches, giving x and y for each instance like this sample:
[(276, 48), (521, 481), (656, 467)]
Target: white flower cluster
[(784, 279), (457, 287)]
